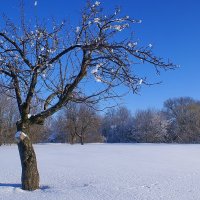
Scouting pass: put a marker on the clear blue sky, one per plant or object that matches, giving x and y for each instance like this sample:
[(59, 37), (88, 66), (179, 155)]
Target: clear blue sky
[(172, 26)]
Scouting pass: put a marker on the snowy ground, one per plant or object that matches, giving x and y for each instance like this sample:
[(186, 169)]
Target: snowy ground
[(106, 172)]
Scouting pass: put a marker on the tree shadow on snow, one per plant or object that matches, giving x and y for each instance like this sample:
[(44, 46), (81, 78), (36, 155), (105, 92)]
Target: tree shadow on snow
[(15, 185), (44, 187)]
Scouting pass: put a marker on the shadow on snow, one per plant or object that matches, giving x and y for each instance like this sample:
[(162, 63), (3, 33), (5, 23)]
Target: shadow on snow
[(15, 185), (10, 185)]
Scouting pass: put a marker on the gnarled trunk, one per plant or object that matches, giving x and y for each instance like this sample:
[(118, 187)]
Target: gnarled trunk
[(30, 175)]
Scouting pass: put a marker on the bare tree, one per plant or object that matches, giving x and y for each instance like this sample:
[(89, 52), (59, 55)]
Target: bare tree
[(8, 118), (58, 128), (52, 64), (150, 126), (184, 114), (82, 122), (117, 125)]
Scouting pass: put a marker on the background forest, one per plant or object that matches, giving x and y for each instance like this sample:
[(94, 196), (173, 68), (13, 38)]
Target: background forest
[(177, 122)]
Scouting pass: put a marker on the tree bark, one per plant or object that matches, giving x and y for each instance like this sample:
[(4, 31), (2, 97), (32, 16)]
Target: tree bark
[(82, 140), (30, 174)]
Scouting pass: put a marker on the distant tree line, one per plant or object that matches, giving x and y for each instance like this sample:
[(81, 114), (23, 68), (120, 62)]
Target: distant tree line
[(177, 122)]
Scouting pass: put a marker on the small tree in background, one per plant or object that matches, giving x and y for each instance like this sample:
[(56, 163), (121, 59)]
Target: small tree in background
[(53, 64), (82, 123), (117, 125), (8, 117), (58, 128)]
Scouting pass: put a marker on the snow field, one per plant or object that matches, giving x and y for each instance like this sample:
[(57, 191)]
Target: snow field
[(106, 172)]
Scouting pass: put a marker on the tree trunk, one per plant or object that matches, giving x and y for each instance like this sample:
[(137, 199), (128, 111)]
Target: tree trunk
[(82, 140), (30, 175), (72, 138)]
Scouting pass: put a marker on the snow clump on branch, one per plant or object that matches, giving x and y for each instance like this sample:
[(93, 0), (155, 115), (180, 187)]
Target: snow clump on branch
[(97, 3), (77, 29), (20, 136), (94, 71), (132, 44), (96, 20), (98, 78), (150, 45)]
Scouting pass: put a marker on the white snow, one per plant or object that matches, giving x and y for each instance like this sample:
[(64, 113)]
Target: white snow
[(29, 116), (118, 27), (94, 71), (150, 45), (19, 135), (96, 20), (98, 78), (106, 172), (97, 3), (132, 44), (77, 29)]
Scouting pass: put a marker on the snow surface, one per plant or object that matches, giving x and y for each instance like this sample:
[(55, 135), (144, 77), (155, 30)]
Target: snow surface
[(106, 172)]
